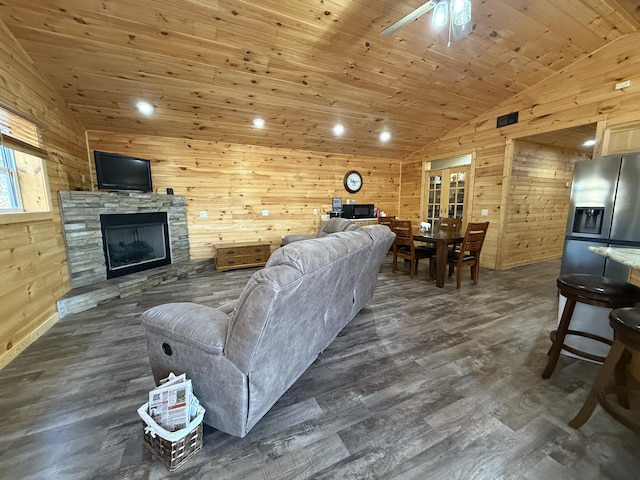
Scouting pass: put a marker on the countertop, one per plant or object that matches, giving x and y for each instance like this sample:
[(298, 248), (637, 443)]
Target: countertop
[(627, 256)]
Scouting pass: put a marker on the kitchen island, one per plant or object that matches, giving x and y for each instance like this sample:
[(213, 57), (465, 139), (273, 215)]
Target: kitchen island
[(627, 256), (631, 258)]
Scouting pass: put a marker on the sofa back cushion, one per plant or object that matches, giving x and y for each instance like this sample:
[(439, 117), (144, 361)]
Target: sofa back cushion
[(285, 303), (336, 224), (382, 238)]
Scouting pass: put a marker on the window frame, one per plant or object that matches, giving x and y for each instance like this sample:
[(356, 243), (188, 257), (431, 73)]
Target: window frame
[(31, 134), (9, 169)]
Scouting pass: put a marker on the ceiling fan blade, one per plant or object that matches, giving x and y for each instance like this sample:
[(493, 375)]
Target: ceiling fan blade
[(409, 17)]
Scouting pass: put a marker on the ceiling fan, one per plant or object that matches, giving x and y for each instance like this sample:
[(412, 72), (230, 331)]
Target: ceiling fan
[(454, 13)]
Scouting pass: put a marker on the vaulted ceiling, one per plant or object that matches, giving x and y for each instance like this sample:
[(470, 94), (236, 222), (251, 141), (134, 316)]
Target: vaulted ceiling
[(210, 66)]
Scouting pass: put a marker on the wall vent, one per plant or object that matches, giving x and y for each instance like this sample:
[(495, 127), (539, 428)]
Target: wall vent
[(508, 119)]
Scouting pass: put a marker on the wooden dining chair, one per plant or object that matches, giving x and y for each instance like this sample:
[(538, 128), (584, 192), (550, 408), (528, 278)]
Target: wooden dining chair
[(386, 221), (449, 224), (445, 224), (403, 246), (468, 255)]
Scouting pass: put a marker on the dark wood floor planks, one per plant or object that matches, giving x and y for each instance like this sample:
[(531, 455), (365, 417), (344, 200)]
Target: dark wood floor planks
[(423, 383)]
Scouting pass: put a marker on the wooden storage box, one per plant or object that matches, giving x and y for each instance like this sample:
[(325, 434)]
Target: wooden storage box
[(242, 256)]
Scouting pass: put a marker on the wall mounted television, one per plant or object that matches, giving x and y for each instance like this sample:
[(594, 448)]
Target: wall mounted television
[(120, 172)]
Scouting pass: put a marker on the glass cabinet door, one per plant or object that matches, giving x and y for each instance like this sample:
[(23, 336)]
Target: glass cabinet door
[(446, 193), (434, 197), (456, 194)]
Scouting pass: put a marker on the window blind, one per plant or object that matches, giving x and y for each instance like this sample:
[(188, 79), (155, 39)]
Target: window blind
[(20, 134)]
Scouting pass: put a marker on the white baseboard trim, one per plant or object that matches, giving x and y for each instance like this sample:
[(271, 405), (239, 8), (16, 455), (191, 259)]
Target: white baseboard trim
[(19, 347)]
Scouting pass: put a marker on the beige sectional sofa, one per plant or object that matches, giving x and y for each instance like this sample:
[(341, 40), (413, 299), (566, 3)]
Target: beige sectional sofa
[(243, 359)]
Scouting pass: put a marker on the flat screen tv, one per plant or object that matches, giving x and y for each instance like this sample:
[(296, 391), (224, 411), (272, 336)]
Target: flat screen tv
[(120, 172)]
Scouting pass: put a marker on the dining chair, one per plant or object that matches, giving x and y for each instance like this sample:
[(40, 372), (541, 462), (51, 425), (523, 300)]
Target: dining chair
[(468, 255), (445, 224), (403, 246), (386, 221), (449, 224)]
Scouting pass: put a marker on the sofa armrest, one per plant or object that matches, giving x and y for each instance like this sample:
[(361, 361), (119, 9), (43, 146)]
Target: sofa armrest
[(191, 324)]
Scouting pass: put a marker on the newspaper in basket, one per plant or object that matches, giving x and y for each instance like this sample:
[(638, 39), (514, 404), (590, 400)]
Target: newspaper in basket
[(173, 449)]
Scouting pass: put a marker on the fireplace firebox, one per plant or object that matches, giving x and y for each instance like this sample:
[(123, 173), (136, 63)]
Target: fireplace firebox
[(134, 242)]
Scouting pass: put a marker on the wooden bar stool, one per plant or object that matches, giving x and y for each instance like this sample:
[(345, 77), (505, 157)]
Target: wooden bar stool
[(592, 290), (626, 328)]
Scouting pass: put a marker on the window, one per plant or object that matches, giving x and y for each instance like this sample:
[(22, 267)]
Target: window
[(9, 193), (23, 179)]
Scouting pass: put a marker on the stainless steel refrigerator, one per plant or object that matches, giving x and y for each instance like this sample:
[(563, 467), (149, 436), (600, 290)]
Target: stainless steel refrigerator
[(604, 211)]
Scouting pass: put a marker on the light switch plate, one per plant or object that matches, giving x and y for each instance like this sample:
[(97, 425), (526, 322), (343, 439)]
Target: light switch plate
[(203, 214), (621, 85), (265, 213), (484, 212)]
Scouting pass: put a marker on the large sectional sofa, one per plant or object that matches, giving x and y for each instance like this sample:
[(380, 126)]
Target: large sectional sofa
[(243, 357)]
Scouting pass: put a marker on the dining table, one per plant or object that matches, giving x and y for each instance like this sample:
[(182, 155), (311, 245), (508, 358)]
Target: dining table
[(441, 239)]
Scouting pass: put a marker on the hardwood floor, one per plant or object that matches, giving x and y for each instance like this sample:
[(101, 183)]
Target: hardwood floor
[(424, 383)]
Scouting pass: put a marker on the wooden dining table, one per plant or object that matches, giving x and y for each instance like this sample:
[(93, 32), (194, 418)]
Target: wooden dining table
[(441, 239)]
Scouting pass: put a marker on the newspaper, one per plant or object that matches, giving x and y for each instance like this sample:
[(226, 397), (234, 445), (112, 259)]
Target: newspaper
[(170, 403)]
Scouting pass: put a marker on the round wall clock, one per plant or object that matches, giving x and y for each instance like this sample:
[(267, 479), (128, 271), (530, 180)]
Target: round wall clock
[(352, 181)]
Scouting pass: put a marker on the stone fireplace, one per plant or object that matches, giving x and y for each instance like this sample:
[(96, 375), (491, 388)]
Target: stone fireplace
[(147, 230), (133, 242)]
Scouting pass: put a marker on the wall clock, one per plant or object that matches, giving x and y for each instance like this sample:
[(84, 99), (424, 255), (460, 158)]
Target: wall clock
[(352, 181)]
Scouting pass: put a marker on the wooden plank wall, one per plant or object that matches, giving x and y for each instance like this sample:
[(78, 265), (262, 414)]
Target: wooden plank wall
[(487, 189), (537, 205), (579, 94), (234, 183), (410, 194), (33, 269)]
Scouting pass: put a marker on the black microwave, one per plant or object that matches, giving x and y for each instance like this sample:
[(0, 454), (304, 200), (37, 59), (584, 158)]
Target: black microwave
[(358, 210)]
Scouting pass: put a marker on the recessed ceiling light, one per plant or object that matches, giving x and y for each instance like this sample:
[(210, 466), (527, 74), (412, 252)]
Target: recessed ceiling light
[(385, 136), (144, 108), (338, 130), (258, 122), (589, 143)]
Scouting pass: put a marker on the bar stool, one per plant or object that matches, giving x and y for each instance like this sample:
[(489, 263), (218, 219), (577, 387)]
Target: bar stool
[(592, 290), (626, 328)]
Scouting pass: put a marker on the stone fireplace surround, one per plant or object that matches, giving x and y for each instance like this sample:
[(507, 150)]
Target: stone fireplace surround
[(80, 212)]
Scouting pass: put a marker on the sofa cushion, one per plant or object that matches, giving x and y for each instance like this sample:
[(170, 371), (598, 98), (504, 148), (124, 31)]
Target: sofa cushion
[(336, 224), (295, 237), (333, 225), (294, 288)]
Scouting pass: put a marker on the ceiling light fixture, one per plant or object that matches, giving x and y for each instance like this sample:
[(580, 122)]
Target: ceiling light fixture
[(455, 13), (258, 122), (440, 15), (385, 136), (338, 130), (144, 108), (589, 143)]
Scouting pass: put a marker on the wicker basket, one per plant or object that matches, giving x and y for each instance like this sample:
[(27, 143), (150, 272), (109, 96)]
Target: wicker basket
[(178, 447), (173, 454)]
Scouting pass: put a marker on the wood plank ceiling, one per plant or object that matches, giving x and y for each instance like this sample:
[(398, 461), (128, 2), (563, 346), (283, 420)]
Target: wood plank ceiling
[(210, 66)]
